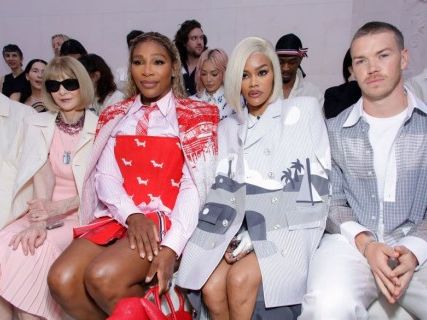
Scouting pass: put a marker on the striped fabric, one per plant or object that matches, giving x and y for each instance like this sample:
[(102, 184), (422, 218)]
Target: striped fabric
[(354, 187)]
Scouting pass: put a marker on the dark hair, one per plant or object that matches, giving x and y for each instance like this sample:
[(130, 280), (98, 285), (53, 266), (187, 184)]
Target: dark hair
[(291, 41), (375, 27), (72, 46), (26, 93), (105, 84), (181, 37), (346, 63), (177, 82), (12, 48), (132, 35)]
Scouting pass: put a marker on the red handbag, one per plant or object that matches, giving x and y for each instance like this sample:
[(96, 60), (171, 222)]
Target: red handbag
[(171, 305)]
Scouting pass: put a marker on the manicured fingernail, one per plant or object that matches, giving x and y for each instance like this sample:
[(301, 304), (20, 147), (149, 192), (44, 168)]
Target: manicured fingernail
[(156, 253), (132, 247), (150, 258), (142, 255)]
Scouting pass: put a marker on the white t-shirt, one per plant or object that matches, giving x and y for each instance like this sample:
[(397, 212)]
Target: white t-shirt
[(382, 133)]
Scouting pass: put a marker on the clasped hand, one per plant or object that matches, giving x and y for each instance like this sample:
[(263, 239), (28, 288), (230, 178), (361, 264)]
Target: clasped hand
[(391, 282), (30, 238), (41, 209)]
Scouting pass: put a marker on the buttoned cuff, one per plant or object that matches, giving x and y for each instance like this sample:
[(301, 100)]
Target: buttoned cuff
[(351, 229), (417, 246)]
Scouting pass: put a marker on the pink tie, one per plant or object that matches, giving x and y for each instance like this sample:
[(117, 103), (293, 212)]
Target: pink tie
[(142, 125)]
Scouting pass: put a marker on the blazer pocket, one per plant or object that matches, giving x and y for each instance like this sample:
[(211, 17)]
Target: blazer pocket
[(307, 216), (216, 218)]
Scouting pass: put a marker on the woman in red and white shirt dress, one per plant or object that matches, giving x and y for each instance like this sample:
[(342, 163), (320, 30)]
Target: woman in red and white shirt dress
[(151, 167)]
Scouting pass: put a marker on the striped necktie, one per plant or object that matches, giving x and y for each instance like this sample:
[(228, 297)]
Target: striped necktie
[(142, 125)]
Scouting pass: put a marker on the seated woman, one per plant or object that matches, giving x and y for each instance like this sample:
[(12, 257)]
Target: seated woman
[(55, 151), (266, 211), (106, 93), (146, 179), (209, 80), (32, 95)]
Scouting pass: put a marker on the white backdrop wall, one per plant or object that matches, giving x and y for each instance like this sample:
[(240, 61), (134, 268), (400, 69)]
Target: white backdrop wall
[(325, 26)]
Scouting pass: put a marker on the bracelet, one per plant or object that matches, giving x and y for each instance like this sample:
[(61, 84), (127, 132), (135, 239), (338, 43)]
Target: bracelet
[(366, 246)]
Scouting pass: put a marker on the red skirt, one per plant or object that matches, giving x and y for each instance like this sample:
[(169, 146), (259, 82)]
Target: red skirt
[(105, 230)]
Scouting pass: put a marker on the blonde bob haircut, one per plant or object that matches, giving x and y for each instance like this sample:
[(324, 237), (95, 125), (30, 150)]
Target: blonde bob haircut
[(177, 81), (236, 65), (219, 59), (61, 68)]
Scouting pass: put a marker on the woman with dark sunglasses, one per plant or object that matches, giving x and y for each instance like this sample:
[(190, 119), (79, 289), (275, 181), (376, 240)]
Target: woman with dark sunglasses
[(47, 191)]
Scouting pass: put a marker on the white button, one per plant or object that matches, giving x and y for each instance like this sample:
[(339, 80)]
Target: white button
[(372, 195), (277, 226), (274, 200), (205, 211), (369, 173), (270, 174), (225, 222), (233, 200), (221, 180), (267, 152), (373, 217)]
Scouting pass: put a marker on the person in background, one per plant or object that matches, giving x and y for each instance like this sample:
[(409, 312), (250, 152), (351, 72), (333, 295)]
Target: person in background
[(57, 41), (266, 211), (14, 81), (191, 42), (377, 223), (106, 92), (209, 78), (32, 95), (291, 52), (343, 96), (147, 177), (72, 48), (47, 191)]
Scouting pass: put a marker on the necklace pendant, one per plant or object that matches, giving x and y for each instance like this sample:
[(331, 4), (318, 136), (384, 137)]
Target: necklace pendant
[(66, 157)]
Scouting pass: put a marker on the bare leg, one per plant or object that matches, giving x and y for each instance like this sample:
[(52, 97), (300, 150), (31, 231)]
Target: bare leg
[(243, 281), (66, 280), (215, 292), (6, 309), (116, 273)]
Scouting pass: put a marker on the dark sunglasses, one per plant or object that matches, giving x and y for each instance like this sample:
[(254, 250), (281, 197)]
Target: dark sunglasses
[(68, 84)]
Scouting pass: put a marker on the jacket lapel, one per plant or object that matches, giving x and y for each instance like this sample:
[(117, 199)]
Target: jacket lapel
[(263, 125), (88, 131)]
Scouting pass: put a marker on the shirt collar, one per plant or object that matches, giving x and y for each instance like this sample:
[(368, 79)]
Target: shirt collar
[(357, 111), (164, 104)]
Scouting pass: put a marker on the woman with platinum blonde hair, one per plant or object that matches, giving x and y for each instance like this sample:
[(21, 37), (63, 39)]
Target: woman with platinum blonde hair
[(47, 191), (210, 72), (266, 211)]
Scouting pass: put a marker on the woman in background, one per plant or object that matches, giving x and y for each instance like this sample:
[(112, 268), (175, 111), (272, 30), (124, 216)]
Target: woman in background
[(32, 95), (47, 191), (209, 79), (106, 93)]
